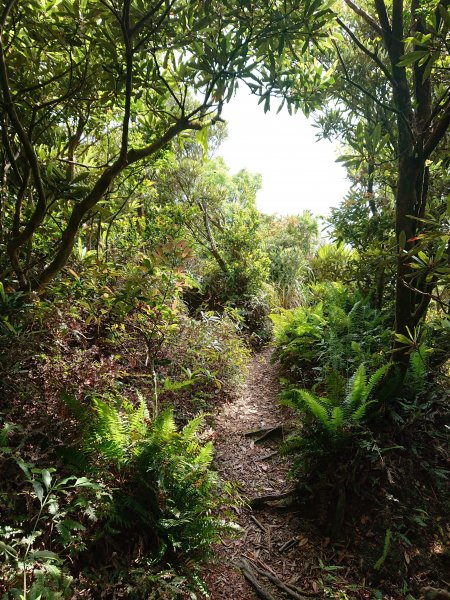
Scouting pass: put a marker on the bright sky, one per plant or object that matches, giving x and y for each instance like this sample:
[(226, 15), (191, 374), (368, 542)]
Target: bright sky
[(298, 171)]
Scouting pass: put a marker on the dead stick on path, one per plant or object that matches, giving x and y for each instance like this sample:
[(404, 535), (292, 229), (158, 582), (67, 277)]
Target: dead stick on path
[(260, 500), (260, 525), (267, 456), (288, 545), (262, 565), (263, 430), (275, 431), (288, 589), (249, 574)]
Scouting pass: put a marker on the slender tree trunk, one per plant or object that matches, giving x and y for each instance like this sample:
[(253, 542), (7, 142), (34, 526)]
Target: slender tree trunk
[(404, 228)]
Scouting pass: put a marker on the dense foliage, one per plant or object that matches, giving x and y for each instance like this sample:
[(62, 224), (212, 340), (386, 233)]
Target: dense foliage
[(137, 275)]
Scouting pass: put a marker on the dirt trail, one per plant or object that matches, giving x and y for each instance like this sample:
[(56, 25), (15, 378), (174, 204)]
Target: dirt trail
[(259, 471)]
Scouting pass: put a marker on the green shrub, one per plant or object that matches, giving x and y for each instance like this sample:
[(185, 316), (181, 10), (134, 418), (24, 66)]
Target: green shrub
[(168, 495), (211, 342), (336, 333), (334, 262), (335, 415), (298, 333), (31, 570)]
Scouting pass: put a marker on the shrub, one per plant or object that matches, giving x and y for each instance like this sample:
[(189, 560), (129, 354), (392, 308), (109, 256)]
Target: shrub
[(211, 342), (169, 496), (333, 335), (334, 262), (336, 415), (298, 333)]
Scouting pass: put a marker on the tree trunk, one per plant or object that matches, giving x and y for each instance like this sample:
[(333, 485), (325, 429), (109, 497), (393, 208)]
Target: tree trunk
[(408, 173)]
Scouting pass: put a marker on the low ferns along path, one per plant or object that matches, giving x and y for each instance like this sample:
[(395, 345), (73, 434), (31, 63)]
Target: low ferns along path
[(268, 555)]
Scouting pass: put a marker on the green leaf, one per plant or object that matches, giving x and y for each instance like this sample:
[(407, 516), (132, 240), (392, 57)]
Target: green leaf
[(402, 338), (202, 138), (44, 554), (38, 490), (84, 482), (25, 467), (7, 549), (47, 479), (412, 57)]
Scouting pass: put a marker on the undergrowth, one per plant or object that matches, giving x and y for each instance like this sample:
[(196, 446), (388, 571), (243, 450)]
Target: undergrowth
[(154, 497), (369, 466)]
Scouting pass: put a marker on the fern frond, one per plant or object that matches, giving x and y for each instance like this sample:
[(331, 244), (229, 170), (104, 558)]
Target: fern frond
[(376, 377), (337, 418), (417, 370), (316, 407), (205, 455), (193, 448), (359, 413), (356, 317), (164, 426), (356, 388), (109, 430), (137, 422), (190, 430)]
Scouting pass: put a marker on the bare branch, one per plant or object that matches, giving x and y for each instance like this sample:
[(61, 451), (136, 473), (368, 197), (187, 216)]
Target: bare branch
[(366, 51), (367, 18)]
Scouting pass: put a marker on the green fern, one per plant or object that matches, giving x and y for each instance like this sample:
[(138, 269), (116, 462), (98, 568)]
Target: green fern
[(317, 406), (108, 431), (356, 388), (336, 418), (417, 370), (164, 427), (138, 420), (359, 390), (170, 492)]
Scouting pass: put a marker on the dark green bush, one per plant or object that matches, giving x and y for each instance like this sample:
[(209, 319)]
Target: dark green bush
[(329, 338), (168, 498)]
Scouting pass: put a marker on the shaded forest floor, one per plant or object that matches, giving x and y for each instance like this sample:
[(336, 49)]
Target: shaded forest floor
[(279, 537), (400, 479)]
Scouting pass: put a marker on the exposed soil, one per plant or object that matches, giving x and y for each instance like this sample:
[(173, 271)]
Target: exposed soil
[(259, 471)]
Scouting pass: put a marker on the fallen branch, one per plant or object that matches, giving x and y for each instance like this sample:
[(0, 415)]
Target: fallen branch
[(259, 501), (269, 434), (267, 456), (285, 587), (250, 576), (260, 525), (262, 430), (288, 545)]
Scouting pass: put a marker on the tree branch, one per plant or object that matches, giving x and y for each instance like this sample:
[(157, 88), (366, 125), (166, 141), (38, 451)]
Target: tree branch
[(41, 205), (383, 16), (372, 96), (366, 51), (438, 133), (96, 194), (367, 18)]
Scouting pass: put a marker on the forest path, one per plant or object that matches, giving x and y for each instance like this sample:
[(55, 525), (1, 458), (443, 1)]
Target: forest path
[(259, 471)]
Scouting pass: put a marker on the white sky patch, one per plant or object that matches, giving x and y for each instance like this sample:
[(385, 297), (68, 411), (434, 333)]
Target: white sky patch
[(298, 171)]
